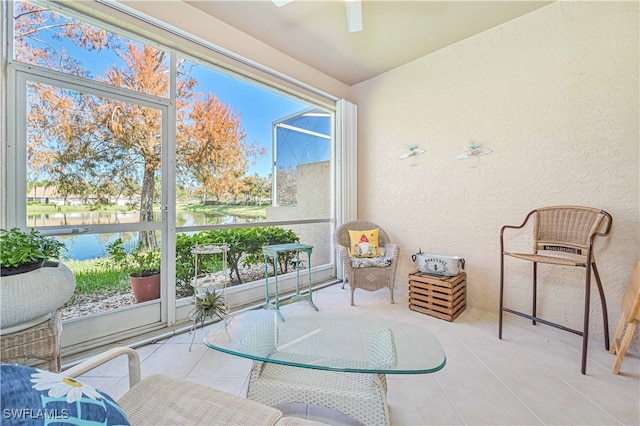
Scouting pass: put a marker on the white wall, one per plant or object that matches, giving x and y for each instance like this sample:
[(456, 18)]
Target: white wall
[(554, 94)]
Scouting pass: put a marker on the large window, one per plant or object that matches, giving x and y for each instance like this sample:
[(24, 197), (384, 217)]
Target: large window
[(119, 139)]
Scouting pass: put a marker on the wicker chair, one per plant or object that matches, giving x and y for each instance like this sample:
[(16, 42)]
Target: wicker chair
[(368, 278), (42, 341), (164, 400), (563, 236)]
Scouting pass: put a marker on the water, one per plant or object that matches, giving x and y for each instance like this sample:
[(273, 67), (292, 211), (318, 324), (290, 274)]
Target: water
[(92, 246)]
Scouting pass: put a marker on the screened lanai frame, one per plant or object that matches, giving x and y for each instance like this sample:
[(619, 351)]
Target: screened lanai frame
[(290, 124), (273, 80)]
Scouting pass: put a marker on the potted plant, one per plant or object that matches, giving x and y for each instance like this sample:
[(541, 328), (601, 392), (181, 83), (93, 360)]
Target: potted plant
[(34, 283), (211, 303), (143, 268), (208, 304), (27, 251), (145, 275)]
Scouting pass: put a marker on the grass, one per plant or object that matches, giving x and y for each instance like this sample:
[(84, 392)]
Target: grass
[(232, 210), (92, 277), (219, 210), (35, 208)]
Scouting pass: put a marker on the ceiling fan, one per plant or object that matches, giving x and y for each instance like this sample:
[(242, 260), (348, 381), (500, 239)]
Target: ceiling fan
[(354, 13)]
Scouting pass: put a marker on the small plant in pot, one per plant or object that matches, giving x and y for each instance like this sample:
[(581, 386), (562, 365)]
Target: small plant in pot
[(23, 251), (143, 268), (29, 292)]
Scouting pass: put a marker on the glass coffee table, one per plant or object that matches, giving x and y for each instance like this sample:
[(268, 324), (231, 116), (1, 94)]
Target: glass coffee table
[(336, 361)]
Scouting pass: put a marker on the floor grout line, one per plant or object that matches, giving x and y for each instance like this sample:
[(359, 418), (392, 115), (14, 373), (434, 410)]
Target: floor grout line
[(600, 392)]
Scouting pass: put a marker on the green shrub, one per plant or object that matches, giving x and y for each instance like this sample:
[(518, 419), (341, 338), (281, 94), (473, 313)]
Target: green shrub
[(138, 263), (245, 245)]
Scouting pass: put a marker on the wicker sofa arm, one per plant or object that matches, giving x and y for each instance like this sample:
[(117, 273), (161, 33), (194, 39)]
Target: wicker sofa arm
[(98, 360), (343, 256)]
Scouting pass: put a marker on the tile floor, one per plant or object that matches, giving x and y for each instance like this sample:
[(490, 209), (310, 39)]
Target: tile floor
[(530, 377)]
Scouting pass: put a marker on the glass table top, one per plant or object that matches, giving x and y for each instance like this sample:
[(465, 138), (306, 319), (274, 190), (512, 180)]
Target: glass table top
[(329, 341)]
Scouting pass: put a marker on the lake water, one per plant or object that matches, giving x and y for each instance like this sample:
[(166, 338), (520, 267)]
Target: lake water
[(91, 246)]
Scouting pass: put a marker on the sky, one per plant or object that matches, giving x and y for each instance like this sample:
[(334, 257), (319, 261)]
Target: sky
[(258, 109)]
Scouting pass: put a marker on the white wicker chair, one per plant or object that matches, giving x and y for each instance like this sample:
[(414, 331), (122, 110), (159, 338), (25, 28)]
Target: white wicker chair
[(368, 278)]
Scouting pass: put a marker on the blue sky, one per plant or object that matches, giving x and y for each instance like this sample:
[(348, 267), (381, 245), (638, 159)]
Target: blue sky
[(258, 109)]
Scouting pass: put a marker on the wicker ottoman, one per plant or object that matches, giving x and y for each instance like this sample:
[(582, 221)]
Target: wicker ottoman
[(41, 341)]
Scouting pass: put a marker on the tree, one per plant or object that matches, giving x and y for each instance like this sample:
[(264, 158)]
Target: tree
[(286, 181), (248, 188), (80, 141), (254, 189)]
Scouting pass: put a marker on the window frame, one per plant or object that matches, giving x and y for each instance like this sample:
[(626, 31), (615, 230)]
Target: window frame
[(14, 180)]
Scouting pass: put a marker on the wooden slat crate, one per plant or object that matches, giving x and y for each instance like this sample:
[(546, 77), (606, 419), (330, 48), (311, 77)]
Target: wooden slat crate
[(441, 297)]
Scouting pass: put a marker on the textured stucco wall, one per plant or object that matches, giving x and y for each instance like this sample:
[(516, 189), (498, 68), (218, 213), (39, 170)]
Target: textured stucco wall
[(313, 202), (555, 95)]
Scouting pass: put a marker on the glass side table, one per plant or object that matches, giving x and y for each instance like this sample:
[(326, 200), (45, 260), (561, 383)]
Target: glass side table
[(273, 252)]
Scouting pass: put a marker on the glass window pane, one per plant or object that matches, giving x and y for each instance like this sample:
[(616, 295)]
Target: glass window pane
[(103, 282), (225, 153), (88, 154), (54, 41), (303, 143), (243, 262)]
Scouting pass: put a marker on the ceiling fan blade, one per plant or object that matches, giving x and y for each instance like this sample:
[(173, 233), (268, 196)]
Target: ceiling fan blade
[(281, 3), (354, 15)]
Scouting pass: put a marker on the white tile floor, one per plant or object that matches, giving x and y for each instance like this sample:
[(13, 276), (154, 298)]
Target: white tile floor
[(530, 377)]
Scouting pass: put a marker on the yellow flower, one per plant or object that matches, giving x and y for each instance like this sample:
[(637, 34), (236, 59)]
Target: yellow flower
[(59, 386)]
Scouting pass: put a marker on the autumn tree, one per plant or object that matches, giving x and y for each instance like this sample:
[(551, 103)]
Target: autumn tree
[(99, 148)]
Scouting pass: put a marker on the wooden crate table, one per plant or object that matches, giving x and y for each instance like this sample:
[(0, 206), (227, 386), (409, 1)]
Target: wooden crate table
[(441, 297)]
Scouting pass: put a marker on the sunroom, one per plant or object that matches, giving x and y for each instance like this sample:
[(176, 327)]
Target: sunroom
[(550, 93)]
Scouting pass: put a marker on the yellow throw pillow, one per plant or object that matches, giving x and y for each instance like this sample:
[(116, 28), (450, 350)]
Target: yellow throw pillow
[(364, 243)]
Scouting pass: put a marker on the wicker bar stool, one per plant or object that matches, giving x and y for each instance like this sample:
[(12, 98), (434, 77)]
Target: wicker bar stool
[(41, 341), (563, 236)]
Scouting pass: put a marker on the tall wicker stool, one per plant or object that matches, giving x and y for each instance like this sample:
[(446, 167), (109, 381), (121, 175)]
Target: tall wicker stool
[(41, 341)]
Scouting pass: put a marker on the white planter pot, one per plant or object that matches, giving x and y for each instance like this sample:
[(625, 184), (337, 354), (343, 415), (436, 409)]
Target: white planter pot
[(30, 298)]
